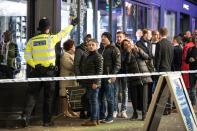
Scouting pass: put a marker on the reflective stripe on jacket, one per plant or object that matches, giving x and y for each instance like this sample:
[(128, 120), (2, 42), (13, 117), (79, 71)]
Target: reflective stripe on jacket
[(41, 48)]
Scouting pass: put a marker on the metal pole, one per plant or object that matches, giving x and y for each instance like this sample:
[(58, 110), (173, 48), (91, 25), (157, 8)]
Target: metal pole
[(95, 20), (78, 15), (124, 16), (110, 15), (30, 18)]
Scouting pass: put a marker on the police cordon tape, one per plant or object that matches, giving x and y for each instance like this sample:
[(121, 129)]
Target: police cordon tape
[(93, 76)]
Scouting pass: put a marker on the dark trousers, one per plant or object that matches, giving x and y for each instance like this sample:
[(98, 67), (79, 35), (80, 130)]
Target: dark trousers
[(139, 97), (192, 89), (85, 99), (106, 93), (34, 89), (6, 72)]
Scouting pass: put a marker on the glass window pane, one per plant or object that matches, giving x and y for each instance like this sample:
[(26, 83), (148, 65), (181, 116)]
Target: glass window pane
[(193, 24), (153, 18), (169, 23), (88, 19), (117, 17), (68, 10), (103, 17), (141, 17), (14, 19), (131, 18)]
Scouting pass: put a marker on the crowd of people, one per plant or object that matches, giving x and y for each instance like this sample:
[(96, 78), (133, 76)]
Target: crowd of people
[(151, 52)]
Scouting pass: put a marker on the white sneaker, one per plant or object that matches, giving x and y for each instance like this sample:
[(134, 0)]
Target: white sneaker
[(115, 114), (124, 114)]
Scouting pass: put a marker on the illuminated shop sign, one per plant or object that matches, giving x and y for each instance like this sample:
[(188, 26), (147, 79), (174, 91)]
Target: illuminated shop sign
[(185, 6)]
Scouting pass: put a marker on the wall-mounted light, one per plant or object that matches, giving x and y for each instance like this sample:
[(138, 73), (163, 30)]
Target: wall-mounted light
[(185, 6)]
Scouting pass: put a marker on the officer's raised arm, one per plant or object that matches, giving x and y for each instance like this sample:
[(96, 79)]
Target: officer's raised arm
[(58, 37)]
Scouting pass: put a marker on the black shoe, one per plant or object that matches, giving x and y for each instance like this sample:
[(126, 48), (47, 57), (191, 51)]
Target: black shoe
[(48, 124), (143, 116), (167, 112), (108, 120), (135, 116), (26, 121), (88, 114), (82, 115)]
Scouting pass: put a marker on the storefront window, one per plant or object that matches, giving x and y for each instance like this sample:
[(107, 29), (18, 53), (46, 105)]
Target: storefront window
[(14, 19), (68, 10), (117, 17), (88, 19), (153, 18), (141, 17), (131, 19), (103, 18), (169, 23), (194, 24)]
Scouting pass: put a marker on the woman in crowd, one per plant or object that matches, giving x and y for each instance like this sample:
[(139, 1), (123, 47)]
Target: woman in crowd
[(135, 63), (184, 65), (191, 59), (67, 69)]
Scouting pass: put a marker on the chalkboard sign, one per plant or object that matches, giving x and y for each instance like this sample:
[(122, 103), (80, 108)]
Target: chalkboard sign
[(175, 86)]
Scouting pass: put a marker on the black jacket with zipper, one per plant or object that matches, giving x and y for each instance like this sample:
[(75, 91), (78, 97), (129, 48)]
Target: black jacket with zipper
[(111, 59)]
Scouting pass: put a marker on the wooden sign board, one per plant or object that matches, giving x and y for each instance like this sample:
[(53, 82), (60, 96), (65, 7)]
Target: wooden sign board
[(175, 86)]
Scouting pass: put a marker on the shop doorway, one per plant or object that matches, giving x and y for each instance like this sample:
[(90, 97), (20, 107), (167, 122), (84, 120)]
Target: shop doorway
[(184, 22)]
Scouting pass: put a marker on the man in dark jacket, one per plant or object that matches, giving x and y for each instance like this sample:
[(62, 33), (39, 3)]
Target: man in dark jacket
[(164, 52), (176, 64), (94, 66), (145, 44), (111, 65), (163, 58), (80, 56), (121, 82)]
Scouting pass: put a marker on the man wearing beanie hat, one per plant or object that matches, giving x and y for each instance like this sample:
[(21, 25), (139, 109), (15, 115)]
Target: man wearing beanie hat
[(108, 36), (40, 57), (111, 65)]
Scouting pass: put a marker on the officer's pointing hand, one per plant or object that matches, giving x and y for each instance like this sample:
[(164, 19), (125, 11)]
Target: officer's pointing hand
[(75, 21)]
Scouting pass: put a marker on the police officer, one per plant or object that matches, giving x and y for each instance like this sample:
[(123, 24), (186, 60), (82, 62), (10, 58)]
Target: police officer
[(40, 57)]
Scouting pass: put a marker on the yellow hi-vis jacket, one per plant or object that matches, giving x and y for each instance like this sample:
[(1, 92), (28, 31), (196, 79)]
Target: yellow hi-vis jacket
[(41, 48)]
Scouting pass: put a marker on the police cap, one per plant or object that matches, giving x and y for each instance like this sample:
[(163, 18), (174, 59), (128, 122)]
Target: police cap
[(43, 24)]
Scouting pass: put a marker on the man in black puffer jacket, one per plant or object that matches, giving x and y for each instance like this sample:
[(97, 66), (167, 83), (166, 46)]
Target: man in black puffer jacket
[(111, 65), (93, 66), (80, 55)]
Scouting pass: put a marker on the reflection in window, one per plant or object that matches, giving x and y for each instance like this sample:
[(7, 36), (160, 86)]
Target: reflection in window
[(130, 19), (153, 18), (88, 19), (169, 23), (68, 10), (117, 17), (103, 17), (194, 24), (14, 19), (141, 17)]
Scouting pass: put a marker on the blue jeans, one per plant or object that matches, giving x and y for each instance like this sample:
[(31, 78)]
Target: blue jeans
[(92, 95), (192, 90), (121, 92), (106, 94)]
